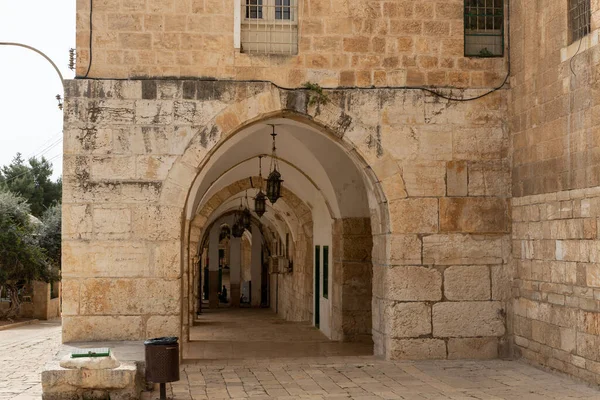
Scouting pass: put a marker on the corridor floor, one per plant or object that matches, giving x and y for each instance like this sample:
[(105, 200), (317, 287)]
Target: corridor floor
[(370, 378), (238, 333)]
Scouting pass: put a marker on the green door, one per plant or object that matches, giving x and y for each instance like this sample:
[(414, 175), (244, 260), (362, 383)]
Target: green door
[(317, 284)]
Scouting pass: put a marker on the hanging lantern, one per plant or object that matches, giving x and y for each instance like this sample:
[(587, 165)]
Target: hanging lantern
[(237, 230), (225, 232), (246, 219), (274, 180), (260, 204), (274, 186)]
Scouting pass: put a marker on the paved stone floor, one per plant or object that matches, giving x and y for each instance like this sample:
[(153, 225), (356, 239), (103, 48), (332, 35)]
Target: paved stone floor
[(236, 333), (369, 378), (23, 353)]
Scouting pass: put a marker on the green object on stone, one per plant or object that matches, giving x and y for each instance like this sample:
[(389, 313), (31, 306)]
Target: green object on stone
[(100, 352)]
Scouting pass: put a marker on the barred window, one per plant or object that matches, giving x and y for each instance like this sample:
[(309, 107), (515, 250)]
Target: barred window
[(269, 26), (484, 28), (579, 19)]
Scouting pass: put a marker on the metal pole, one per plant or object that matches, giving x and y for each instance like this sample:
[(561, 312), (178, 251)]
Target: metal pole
[(37, 51), (163, 391)]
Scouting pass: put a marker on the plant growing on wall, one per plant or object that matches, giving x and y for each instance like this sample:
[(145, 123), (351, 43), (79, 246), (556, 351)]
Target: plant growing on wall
[(316, 95), (22, 259)]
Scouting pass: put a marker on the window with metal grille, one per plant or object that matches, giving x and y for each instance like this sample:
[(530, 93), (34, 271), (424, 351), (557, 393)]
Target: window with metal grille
[(269, 26), (484, 28), (579, 19)]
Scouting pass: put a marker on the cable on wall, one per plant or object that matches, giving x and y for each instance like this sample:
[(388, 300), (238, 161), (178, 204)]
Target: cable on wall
[(90, 62), (422, 88)]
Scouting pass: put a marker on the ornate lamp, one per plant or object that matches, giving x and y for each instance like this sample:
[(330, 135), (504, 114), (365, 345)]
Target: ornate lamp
[(274, 180), (260, 202), (237, 230)]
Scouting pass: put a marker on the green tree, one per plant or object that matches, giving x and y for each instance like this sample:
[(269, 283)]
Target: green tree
[(22, 259), (31, 180), (49, 234)]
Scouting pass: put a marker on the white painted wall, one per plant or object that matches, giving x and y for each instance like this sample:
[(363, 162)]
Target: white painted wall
[(322, 236)]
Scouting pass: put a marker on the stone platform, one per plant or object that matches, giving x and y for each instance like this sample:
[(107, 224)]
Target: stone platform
[(122, 383)]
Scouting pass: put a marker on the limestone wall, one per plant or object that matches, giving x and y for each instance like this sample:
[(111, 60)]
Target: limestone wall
[(558, 280), (438, 170), (553, 108), (341, 43)]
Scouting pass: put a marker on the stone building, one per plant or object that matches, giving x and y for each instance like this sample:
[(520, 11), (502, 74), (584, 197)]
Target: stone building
[(441, 178)]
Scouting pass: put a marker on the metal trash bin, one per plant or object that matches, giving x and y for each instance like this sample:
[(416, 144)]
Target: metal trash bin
[(162, 361)]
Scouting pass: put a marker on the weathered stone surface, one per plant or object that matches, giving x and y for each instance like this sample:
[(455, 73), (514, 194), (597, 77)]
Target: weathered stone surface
[(464, 319), (112, 222), (425, 179), (129, 296), (407, 319), (456, 249), (414, 215), (101, 328), (473, 348), (405, 249), (456, 178), (470, 282), (412, 284), (474, 214), (109, 362), (161, 326), (417, 349)]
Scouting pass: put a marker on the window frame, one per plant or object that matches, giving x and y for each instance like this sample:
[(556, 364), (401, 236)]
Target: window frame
[(268, 25), (584, 30), (481, 32)]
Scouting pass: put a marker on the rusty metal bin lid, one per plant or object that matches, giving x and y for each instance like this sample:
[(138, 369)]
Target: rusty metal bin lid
[(161, 341)]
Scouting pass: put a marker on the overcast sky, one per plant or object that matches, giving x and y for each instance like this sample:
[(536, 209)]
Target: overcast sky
[(30, 121)]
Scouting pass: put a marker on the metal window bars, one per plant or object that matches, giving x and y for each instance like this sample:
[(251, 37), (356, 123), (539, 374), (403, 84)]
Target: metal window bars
[(579, 19), (269, 26), (484, 28)]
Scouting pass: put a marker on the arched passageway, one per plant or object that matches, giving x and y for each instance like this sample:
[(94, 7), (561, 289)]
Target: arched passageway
[(309, 257)]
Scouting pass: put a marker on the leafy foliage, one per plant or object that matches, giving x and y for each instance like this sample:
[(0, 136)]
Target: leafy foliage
[(22, 259), (317, 97), (49, 234), (31, 180)]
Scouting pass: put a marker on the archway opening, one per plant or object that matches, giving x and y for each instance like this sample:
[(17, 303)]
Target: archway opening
[(308, 259)]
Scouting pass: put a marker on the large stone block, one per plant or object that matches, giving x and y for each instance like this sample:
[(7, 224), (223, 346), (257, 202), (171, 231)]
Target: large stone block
[(105, 259), (112, 222), (90, 328), (416, 349), (130, 296), (414, 215), (465, 319), (473, 348), (425, 179), (405, 249), (163, 325), (474, 214), (407, 319), (467, 282), (412, 284), (457, 249)]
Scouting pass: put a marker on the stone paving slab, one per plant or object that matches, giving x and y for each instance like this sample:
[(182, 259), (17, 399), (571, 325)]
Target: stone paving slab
[(371, 378), (23, 353)]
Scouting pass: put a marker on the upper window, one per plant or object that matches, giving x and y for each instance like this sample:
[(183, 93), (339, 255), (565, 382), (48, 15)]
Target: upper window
[(484, 28), (579, 19), (269, 26)]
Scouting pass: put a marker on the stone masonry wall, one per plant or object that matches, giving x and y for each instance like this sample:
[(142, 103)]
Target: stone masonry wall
[(341, 43), (553, 107), (133, 148), (557, 250)]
